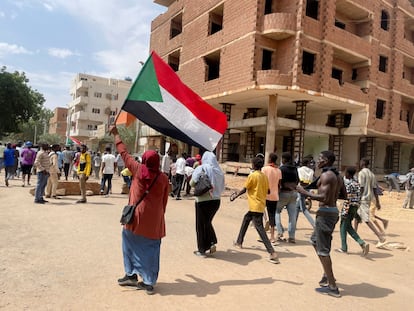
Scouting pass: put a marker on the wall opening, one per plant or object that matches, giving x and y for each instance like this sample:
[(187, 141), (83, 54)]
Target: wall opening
[(385, 20), (308, 63), (380, 109), (212, 65), (176, 26), (383, 63), (216, 20), (312, 8), (267, 56), (338, 75), (174, 60)]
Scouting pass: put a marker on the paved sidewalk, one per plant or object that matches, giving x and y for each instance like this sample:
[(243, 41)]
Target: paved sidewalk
[(67, 256)]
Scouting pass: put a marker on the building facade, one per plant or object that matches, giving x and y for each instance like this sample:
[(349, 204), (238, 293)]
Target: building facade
[(58, 123), (96, 101), (300, 76)]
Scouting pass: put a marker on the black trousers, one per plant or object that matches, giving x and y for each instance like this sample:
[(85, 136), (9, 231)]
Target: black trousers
[(204, 212)]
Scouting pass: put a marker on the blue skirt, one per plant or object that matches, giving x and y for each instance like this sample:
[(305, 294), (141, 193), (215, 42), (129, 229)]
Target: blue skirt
[(141, 256)]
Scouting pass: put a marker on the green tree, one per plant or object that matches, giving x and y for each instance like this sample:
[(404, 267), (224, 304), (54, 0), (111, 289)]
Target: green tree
[(128, 136), (18, 101), (51, 138)]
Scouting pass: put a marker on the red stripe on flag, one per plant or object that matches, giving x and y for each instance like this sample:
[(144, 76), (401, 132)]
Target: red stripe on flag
[(78, 142), (170, 81)]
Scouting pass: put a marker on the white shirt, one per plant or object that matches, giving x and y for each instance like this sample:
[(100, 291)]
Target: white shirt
[(180, 166), (109, 161)]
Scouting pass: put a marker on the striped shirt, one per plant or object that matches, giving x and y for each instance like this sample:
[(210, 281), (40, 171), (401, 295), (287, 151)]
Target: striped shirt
[(42, 162)]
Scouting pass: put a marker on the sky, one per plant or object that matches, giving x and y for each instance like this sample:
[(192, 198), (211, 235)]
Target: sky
[(53, 40)]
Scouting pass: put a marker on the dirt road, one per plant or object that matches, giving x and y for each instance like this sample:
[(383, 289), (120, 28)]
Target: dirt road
[(66, 256)]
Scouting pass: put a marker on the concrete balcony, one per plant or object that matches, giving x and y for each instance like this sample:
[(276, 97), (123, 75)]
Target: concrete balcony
[(165, 3), (406, 46), (346, 90), (279, 26), (82, 85), (90, 117), (355, 49), (406, 87), (273, 77), (79, 101)]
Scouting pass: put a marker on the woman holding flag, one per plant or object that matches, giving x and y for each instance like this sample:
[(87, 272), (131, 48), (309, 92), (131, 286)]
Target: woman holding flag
[(141, 239)]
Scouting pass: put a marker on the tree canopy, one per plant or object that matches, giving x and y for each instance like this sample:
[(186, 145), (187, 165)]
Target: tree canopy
[(18, 101)]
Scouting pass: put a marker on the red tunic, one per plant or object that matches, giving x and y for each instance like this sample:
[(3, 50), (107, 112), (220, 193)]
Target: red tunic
[(149, 215)]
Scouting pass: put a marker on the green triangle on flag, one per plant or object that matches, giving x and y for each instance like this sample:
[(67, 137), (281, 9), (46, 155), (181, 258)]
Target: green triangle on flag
[(146, 86)]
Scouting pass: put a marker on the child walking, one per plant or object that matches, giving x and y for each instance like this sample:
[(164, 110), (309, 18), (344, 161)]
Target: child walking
[(257, 187)]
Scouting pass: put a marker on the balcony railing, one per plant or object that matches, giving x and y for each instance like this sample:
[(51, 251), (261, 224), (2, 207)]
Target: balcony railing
[(273, 77), (279, 26)]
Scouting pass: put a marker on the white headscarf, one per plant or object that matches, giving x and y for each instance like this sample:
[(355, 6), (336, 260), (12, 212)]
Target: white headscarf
[(212, 169)]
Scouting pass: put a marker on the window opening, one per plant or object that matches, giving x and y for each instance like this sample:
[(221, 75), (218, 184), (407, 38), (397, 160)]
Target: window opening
[(268, 7), (383, 62), (176, 26), (216, 20), (267, 59), (308, 63), (379, 113), (337, 74), (385, 20), (312, 8), (212, 62), (174, 60)]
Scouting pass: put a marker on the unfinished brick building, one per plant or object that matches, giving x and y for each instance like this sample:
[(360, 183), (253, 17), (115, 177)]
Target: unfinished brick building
[(300, 75)]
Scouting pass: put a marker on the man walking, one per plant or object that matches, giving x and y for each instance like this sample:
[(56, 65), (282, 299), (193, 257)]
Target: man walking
[(108, 170), (179, 175), (67, 160), (287, 197), (84, 170), (53, 180), (330, 186), (368, 182), (42, 164), (9, 162)]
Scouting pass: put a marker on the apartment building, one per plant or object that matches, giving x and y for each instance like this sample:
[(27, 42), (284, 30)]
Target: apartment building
[(58, 123), (95, 103), (300, 76)]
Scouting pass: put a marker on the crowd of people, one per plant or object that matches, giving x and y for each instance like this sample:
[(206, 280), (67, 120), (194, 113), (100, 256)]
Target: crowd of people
[(270, 188)]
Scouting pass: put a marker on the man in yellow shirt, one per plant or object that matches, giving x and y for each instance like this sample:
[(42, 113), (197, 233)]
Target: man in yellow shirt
[(84, 170), (257, 187)]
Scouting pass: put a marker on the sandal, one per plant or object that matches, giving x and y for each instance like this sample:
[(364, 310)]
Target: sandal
[(274, 260)]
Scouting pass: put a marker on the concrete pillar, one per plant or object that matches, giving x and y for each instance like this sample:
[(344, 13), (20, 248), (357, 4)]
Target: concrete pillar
[(271, 126)]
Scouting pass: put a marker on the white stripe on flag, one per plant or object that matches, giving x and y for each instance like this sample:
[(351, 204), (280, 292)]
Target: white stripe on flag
[(184, 120)]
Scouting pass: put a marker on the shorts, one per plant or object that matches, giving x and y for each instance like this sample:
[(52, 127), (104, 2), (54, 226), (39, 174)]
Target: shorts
[(271, 211), (364, 211), (26, 169), (322, 234)]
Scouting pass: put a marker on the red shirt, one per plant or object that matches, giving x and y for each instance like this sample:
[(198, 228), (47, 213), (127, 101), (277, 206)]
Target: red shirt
[(149, 218)]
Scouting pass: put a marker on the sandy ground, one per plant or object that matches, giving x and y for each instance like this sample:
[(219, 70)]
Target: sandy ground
[(64, 256)]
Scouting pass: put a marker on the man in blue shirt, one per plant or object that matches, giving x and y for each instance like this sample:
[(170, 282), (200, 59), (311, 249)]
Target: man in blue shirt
[(9, 156)]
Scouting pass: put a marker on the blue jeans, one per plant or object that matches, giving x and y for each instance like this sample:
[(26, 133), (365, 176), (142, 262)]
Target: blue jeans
[(40, 186), (302, 208), (287, 199)]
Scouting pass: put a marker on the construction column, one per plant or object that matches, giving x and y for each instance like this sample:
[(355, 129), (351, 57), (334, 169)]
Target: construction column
[(271, 126)]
